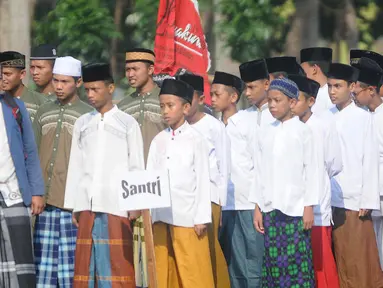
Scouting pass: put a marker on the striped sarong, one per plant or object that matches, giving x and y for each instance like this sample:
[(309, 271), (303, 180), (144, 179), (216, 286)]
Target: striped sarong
[(287, 261), (17, 268), (55, 244), (104, 252), (139, 252)]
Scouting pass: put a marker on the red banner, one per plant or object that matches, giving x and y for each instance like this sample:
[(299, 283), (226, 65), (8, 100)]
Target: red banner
[(180, 41)]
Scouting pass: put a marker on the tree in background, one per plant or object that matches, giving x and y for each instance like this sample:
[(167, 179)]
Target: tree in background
[(81, 28)]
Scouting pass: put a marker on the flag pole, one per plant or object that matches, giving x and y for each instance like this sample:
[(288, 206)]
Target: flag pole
[(149, 245)]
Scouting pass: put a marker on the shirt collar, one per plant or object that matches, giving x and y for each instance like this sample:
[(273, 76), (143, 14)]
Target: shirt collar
[(106, 114), (263, 107), (70, 104), (148, 93), (234, 118), (289, 122), (379, 109), (180, 130)]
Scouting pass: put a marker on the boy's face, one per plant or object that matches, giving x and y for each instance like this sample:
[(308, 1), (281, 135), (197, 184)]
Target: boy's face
[(339, 91), (138, 73), (303, 105), (362, 96), (310, 70), (255, 91), (12, 78), (173, 109), (197, 102), (280, 105), (99, 93), (221, 99), (41, 71), (65, 86)]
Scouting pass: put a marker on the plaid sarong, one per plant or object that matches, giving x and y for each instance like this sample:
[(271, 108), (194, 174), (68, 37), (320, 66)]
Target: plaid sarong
[(287, 260), (55, 244), (139, 252), (17, 268), (104, 252)]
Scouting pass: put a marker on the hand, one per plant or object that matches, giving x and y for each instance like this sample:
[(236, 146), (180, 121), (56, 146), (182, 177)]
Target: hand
[(308, 217), (75, 218), (37, 205), (200, 229), (258, 220), (133, 215), (363, 212)]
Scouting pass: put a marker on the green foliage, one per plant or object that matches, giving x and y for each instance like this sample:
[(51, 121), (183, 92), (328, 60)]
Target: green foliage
[(81, 28), (144, 22), (255, 28)]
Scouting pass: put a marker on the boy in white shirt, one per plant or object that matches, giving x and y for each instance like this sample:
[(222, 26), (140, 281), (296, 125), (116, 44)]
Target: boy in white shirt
[(355, 190), (287, 192), (367, 94), (102, 140), (256, 77), (181, 243), (241, 244), (214, 132), (315, 62), (330, 163)]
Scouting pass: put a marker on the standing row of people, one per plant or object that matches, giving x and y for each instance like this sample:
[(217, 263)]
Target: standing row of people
[(287, 190)]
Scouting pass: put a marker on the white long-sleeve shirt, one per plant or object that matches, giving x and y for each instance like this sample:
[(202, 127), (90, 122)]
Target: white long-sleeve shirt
[(287, 172), (9, 186), (185, 154), (219, 157), (329, 162), (99, 144), (263, 114), (356, 186), (323, 102), (242, 131), (378, 125)]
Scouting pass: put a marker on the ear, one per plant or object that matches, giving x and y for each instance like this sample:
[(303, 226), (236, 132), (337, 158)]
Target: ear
[(22, 74), (352, 86), (311, 101), (266, 84), (293, 102), (201, 100), (314, 69), (234, 98), (151, 70), (186, 108), (79, 82), (111, 88)]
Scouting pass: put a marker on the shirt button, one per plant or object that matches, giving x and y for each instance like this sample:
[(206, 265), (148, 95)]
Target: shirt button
[(142, 111), (51, 164), (57, 135), (49, 178), (172, 138), (140, 125), (59, 120), (62, 109), (168, 157), (54, 149)]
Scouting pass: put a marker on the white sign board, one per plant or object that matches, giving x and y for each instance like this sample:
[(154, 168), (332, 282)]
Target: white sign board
[(138, 190)]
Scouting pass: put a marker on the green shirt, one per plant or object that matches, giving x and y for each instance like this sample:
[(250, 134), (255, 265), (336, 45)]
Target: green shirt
[(145, 108), (53, 128), (32, 100)]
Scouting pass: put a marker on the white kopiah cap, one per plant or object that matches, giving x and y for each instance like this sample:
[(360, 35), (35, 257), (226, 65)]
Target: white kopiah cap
[(67, 66)]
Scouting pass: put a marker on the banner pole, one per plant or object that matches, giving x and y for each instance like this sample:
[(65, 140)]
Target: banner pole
[(149, 245)]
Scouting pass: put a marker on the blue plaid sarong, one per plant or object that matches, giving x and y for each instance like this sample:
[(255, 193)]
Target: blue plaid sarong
[(54, 245)]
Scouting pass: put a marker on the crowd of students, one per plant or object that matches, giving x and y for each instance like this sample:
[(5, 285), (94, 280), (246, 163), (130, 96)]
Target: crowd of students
[(286, 193)]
